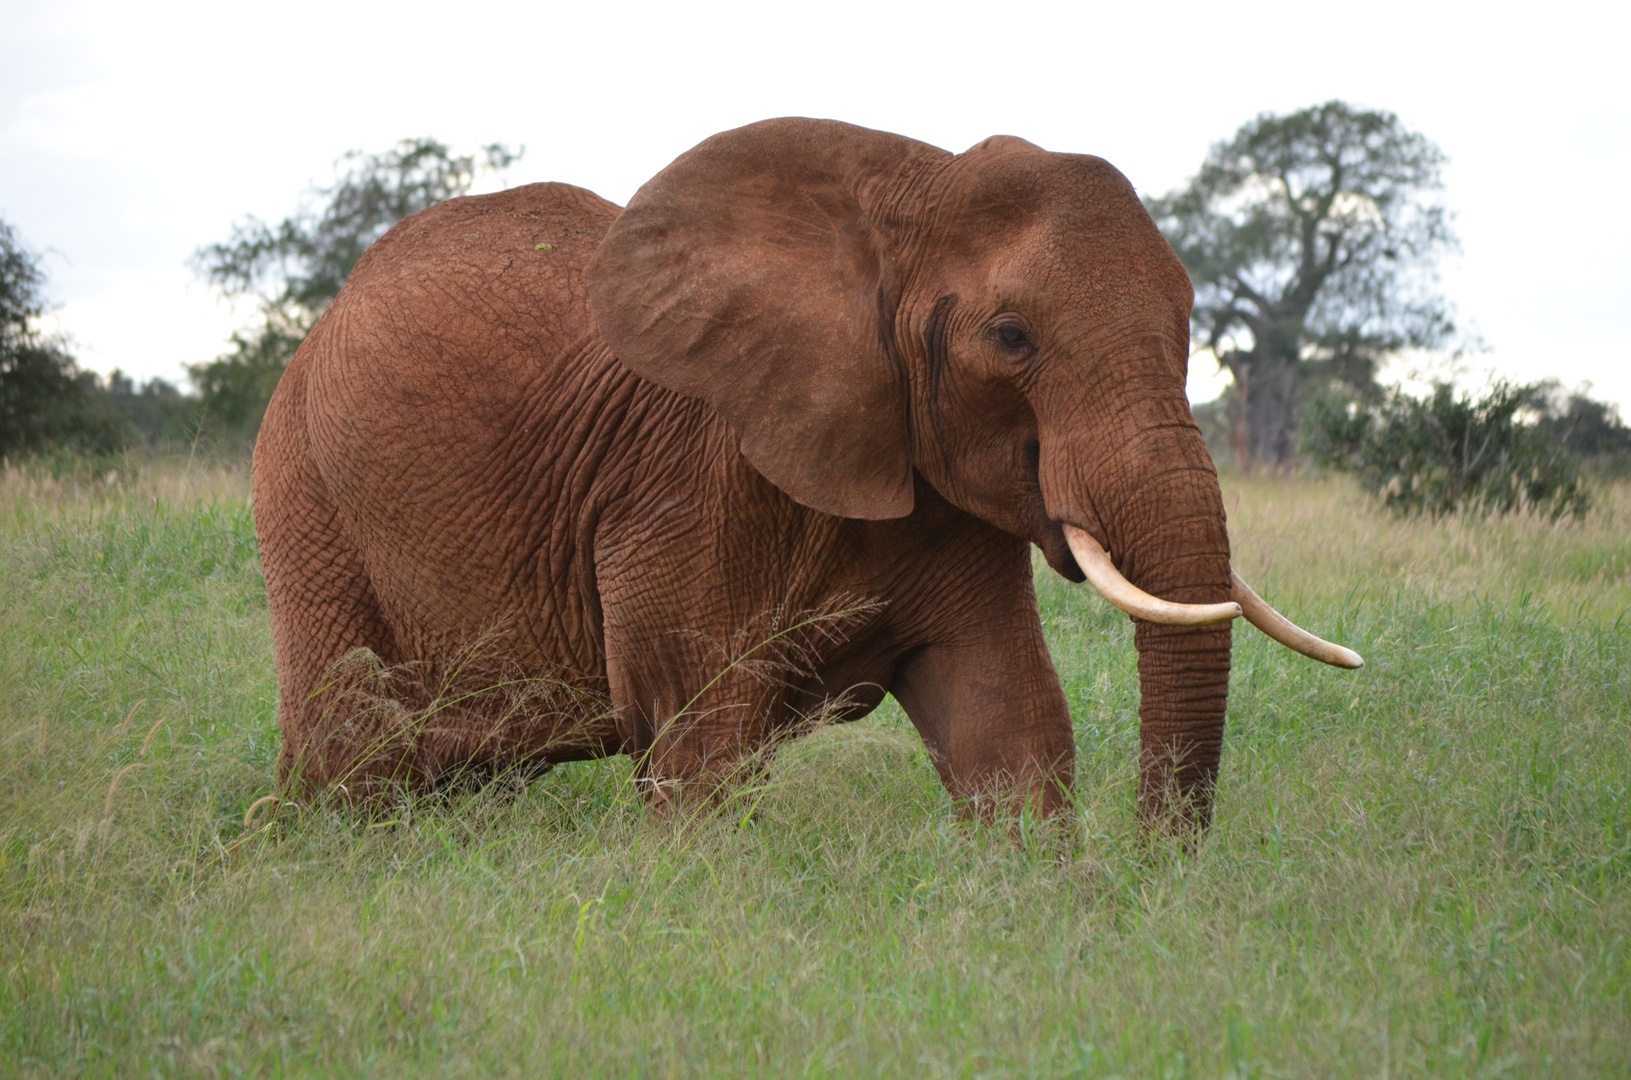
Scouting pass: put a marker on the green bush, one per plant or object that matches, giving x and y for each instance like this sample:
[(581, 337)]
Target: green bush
[(1451, 453)]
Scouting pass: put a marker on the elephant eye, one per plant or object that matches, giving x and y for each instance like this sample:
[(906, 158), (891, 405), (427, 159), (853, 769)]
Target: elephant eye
[(1012, 336)]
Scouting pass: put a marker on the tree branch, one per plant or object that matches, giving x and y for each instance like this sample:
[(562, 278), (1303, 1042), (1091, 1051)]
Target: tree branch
[(1243, 291)]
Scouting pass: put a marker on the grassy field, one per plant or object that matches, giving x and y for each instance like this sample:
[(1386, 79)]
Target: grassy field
[(1419, 869)]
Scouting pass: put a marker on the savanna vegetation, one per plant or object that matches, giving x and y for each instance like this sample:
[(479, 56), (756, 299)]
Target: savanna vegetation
[(1510, 448), (1417, 869), (48, 405)]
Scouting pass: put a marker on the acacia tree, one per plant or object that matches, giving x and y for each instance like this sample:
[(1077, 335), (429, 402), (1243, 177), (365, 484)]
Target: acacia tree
[(296, 268), (1312, 240)]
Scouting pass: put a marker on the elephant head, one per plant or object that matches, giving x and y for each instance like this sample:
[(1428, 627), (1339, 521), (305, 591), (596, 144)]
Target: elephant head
[(1008, 323)]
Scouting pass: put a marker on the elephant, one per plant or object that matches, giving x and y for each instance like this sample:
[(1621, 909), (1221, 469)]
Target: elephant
[(816, 384)]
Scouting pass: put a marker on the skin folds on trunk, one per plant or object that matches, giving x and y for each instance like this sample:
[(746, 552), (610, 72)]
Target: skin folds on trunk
[(1183, 674), (1183, 671)]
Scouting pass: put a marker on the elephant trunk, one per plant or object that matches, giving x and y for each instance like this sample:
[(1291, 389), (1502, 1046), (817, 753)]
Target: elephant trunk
[(1151, 611), (1174, 545), (1183, 674), (1137, 479)]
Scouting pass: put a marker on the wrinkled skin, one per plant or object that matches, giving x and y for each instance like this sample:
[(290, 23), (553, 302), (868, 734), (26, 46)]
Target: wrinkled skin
[(811, 366)]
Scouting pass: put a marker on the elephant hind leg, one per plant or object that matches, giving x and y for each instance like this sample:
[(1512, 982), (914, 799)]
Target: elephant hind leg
[(360, 712), (335, 657), (329, 634)]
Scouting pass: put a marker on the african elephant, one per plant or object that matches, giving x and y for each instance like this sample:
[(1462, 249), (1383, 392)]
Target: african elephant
[(811, 368)]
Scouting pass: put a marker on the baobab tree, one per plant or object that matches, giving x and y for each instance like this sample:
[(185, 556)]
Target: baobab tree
[(1312, 240)]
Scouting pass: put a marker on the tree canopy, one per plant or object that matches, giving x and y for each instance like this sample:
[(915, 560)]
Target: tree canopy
[(45, 400), (1312, 240), (295, 268)]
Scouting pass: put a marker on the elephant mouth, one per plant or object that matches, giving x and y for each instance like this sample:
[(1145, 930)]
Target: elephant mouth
[(1102, 574), (1050, 538)]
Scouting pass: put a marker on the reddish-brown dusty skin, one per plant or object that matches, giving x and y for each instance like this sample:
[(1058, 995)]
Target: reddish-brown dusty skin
[(810, 367)]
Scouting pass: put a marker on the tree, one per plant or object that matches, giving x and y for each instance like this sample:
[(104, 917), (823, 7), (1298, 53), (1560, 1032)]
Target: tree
[(1311, 239), (296, 268), (156, 412), (45, 400)]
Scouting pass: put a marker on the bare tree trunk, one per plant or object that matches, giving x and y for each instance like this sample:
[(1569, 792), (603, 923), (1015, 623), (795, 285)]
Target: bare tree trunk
[(1237, 413), (1265, 409)]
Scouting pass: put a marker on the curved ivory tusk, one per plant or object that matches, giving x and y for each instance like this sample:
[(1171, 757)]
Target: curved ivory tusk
[(1103, 576), (1286, 632)]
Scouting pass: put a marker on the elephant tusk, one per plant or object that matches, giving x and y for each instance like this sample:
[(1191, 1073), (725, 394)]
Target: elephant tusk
[(1103, 576), (1286, 632)]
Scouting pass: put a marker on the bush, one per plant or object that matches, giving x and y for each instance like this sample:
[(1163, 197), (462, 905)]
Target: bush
[(1452, 453), (1591, 429)]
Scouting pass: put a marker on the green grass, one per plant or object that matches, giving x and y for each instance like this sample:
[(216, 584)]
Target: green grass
[(1420, 869)]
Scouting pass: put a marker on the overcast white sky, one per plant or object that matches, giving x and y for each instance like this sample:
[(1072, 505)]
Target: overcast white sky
[(131, 134)]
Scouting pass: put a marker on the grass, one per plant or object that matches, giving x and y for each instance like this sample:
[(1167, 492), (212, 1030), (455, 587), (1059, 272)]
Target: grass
[(1419, 869)]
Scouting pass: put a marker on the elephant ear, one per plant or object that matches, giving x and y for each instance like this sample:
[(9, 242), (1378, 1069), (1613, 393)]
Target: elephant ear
[(750, 274)]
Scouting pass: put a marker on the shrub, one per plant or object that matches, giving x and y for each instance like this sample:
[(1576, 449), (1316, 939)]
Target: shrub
[(1592, 429), (1451, 453)]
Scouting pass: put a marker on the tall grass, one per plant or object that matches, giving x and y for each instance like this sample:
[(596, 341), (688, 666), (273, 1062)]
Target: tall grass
[(1419, 869)]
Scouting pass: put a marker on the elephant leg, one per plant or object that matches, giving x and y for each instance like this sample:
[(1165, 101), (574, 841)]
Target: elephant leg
[(994, 718), (323, 609), (692, 728), (333, 648)]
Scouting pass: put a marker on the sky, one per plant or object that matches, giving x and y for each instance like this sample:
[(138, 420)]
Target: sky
[(133, 134)]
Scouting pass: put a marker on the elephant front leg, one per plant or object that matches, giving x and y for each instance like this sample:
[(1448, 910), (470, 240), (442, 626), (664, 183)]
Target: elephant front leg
[(693, 733), (995, 720)]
